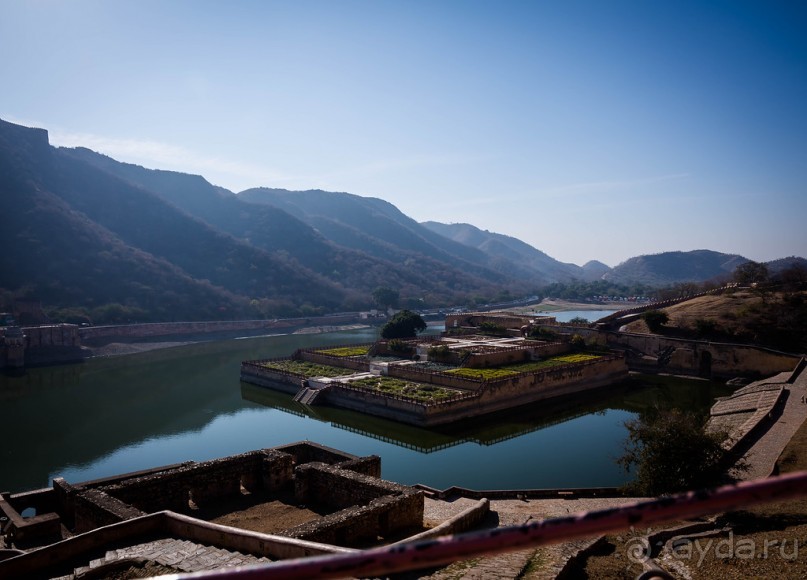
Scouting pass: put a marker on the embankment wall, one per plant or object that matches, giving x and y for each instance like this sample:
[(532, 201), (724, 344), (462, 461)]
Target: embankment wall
[(702, 358), (252, 372), (490, 397)]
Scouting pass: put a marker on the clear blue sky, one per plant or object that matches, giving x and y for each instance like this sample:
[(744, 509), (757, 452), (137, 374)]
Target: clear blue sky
[(591, 130)]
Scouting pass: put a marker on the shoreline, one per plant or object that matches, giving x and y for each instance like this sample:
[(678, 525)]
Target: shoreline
[(561, 305), (117, 348)]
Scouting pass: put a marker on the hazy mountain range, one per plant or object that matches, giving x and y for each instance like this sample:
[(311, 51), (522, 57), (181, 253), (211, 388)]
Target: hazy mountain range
[(86, 231)]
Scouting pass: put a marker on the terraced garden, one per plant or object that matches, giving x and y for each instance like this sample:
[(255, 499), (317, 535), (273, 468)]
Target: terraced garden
[(345, 351), (406, 389), (306, 369), (519, 368)]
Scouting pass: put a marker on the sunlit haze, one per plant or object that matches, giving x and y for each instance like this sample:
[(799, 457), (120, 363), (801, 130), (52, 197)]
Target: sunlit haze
[(590, 130)]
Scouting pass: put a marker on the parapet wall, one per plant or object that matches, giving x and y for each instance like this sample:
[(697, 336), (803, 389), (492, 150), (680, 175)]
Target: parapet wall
[(206, 481), (93, 509), (370, 507), (59, 559)]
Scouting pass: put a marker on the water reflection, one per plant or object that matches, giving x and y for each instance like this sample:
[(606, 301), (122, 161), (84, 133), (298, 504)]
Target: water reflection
[(633, 396), (187, 403), (57, 417)]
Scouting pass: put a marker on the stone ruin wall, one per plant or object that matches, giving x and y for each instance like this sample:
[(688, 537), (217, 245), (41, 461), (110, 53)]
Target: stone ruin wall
[(94, 508), (206, 481), (370, 507), (308, 452), (338, 480)]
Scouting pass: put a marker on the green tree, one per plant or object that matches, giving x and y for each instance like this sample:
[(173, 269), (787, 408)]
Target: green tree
[(405, 324), (672, 452), (793, 278), (386, 297), (578, 320), (655, 319), (577, 342), (492, 328), (399, 346), (751, 273)]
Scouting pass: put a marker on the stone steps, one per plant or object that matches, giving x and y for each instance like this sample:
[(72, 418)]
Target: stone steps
[(308, 395), (183, 555)]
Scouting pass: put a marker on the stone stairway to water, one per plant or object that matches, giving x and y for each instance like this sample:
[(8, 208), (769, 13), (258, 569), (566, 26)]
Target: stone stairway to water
[(182, 555)]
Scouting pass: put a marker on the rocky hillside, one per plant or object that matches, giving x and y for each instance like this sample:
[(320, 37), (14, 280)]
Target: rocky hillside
[(670, 268)]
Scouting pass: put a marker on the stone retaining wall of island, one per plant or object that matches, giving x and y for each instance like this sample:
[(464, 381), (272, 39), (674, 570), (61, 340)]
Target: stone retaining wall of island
[(478, 397), (255, 373)]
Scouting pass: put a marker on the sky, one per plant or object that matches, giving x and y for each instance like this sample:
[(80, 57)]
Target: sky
[(588, 129)]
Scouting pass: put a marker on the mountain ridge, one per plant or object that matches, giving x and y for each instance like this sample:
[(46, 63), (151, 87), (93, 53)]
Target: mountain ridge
[(90, 231)]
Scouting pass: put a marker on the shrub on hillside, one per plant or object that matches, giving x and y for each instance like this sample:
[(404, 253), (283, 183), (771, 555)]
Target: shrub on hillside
[(655, 319)]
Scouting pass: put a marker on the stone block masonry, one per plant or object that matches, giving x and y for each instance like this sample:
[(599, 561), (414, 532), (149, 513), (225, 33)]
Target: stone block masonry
[(371, 507), (309, 452), (490, 396), (477, 393), (205, 482), (701, 358), (317, 474), (94, 509)]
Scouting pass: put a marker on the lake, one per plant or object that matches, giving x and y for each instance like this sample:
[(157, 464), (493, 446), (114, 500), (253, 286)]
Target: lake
[(114, 415)]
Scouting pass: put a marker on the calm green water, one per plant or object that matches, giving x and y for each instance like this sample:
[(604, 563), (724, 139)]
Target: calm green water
[(122, 414)]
